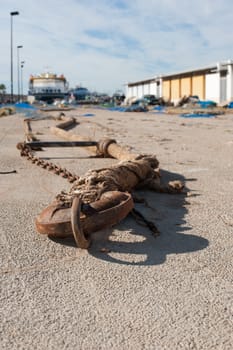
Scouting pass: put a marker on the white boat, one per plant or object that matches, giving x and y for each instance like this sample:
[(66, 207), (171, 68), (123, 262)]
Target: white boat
[(48, 87)]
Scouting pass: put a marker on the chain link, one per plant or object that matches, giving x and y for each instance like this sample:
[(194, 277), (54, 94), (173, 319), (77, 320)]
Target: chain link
[(27, 152)]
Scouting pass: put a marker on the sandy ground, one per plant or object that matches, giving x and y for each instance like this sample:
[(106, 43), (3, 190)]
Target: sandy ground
[(172, 292)]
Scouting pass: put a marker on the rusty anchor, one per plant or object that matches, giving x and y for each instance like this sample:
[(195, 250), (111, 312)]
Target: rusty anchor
[(101, 198), (82, 220)]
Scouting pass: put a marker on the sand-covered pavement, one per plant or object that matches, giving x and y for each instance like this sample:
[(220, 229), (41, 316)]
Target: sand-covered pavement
[(140, 292)]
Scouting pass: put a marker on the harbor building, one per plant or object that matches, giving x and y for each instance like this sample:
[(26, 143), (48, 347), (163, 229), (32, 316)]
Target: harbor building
[(214, 82)]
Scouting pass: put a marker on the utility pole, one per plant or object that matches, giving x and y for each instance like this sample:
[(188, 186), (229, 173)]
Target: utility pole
[(14, 13)]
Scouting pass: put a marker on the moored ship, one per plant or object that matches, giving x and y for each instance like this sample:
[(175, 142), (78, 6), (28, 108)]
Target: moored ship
[(48, 87)]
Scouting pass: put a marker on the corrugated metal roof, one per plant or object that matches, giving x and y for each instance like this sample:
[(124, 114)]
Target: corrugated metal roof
[(146, 81)]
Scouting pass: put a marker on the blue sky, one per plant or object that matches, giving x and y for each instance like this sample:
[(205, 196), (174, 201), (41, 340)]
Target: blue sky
[(104, 44)]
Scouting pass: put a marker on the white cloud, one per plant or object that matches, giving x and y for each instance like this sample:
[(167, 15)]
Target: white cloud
[(107, 43)]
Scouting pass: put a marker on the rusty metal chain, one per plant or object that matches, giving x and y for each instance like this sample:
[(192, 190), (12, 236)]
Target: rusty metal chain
[(26, 151)]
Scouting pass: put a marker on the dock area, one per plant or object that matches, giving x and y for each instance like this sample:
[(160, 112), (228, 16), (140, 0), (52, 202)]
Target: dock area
[(129, 290)]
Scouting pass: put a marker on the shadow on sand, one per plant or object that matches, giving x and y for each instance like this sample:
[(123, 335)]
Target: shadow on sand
[(130, 243)]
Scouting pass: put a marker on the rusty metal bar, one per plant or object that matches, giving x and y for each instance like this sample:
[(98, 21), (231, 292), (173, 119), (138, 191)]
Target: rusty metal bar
[(35, 144)]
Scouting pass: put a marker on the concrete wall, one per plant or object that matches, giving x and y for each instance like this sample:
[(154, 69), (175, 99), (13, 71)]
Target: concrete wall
[(141, 89), (230, 82), (212, 87), (198, 86), (175, 89), (166, 90), (153, 89), (186, 86), (131, 91)]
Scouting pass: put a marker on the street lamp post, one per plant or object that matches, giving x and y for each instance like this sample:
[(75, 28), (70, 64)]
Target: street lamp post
[(14, 13), (18, 47), (22, 65)]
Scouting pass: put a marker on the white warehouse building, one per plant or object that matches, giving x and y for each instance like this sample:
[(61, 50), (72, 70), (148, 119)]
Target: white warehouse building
[(210, 83)]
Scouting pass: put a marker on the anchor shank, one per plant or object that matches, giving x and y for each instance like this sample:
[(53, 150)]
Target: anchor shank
[(35, 144)]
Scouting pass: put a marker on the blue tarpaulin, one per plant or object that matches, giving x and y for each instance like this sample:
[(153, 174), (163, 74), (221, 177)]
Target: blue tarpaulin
[(132, 108), (25, 108), (24, 105), (197, 115), (158, 110), (206, 104), (88, 115)]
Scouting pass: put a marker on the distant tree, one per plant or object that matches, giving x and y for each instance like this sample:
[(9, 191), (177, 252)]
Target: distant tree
[(2, 91)]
